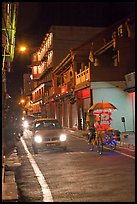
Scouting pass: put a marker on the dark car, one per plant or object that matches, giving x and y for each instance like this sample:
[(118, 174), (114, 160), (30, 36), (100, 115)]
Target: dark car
[(48, 133)]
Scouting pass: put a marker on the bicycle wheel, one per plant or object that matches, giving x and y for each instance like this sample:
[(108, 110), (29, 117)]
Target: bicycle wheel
[(113, 144), (92, 144), (99, 145)]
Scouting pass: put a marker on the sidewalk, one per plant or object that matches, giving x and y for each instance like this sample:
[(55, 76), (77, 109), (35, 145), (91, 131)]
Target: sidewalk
[(128, 142), (9, 187)]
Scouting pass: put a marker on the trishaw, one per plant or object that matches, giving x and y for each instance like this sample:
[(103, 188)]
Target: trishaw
[(104, 133)]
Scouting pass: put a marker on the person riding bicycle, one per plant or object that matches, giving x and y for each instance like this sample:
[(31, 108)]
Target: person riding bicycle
[(91, 120)]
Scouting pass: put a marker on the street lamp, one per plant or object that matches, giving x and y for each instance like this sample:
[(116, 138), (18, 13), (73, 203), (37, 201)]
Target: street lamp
[(23, 48), (22, 101)]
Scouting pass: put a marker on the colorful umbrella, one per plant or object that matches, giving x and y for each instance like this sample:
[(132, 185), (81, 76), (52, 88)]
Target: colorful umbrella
[(102, 106)]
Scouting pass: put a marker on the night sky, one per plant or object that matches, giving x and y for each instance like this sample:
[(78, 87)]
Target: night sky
[(35, 18)]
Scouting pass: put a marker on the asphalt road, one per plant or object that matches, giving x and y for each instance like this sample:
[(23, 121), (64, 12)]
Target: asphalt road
[(75, 175)]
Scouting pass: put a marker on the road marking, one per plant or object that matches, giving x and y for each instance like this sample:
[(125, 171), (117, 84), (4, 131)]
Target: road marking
[(47, 196), (75, 152), (127, 155)]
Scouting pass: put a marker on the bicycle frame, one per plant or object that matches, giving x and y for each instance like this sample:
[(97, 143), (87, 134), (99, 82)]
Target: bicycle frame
[(103, 138)]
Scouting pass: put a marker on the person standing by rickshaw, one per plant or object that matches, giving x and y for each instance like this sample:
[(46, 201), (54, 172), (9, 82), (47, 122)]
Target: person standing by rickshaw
[(91, 120)]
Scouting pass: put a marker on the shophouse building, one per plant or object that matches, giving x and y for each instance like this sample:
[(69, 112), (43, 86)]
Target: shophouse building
[(68, 82), (72, 87), (103, 68), (55, 46), (112, 71)]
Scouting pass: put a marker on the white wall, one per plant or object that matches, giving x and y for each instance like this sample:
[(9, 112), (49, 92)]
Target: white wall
[(114, 93)]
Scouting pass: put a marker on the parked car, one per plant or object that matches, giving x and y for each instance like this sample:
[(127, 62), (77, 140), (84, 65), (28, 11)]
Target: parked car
[(27, 120), (48, 133)]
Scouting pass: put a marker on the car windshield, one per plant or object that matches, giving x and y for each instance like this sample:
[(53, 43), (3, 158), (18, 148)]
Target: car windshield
[(30, 118), (47, 125)]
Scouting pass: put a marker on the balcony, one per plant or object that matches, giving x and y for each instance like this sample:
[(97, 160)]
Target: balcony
[(82, 76), (61, 90)]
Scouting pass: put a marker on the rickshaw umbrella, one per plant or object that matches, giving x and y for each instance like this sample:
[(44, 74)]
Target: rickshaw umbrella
[(99, 106)]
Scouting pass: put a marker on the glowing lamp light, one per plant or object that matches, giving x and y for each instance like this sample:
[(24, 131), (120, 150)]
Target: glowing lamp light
[(22, 101), (22, 49), (38, 139), (63, 137), (25, 124)]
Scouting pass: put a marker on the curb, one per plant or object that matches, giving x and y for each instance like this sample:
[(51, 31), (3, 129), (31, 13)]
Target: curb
[(9, 186), (126, 145)]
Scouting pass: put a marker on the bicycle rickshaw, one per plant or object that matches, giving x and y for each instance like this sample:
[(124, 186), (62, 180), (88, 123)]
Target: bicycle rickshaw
[(104, 134)]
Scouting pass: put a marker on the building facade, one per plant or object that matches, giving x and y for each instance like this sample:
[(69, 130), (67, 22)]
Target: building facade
[(55, 46), (102, 68), (68, 80), (113, 71)]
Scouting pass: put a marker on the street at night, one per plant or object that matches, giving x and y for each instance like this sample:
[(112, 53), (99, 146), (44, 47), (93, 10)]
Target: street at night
[(75, 175), (68, 101)]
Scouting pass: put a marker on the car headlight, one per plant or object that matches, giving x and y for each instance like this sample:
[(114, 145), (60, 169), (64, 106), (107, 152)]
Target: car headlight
[(38, 139), (25, 124), (63, 137)]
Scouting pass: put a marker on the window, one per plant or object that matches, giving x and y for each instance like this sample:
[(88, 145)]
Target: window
[(40, 69), (78, 67), (71, 74), (58, 81), (96, 63), (62, 79), (35, 69), (122, 31), (108, 58), (47, 125)]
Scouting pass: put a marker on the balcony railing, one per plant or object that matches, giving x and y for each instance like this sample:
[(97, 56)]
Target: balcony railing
[(82, 76)]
